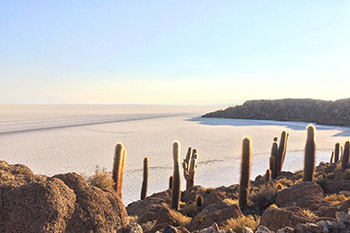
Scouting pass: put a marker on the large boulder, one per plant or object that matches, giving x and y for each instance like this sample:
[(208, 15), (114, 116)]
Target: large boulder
[(303, 194), (337, 186), (278, 218), (63, 203)]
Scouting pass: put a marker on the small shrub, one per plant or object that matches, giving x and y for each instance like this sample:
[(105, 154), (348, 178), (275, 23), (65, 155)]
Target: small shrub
[(285, 182), (322, 181), (101, 178), (273, 206), (190, 209), (263, 197), (336, 199), (245, 221)]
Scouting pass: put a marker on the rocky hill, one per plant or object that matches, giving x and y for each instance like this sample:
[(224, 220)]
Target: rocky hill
[(301, 110)]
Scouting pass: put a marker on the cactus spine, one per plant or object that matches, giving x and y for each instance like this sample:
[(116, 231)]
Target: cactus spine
[(245, 172), (118, 167), (346, 154), (145, 178), (176, 191), (171, 182), (310, 154), (189, 165), (336, 154)]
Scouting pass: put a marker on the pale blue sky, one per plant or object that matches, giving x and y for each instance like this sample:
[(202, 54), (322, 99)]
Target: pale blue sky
[(173, 52)]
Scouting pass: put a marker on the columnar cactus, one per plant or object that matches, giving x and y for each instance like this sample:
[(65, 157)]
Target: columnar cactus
[(345, 160), (336, 152), (171, 182), (189, 167), (282, 148), (332, 157), (176, 191), (245, 172), (273, 158), (310, 154), (145, 178), (118, 168)]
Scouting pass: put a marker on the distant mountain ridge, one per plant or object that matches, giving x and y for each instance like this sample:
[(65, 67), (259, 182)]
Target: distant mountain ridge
[(302, 110)]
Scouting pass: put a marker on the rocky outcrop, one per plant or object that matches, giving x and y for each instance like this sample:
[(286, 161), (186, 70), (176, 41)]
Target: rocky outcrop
[(301, 110), (302, 194), (63, 203)]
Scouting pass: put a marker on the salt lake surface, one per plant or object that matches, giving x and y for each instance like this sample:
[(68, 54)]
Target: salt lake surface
[(53, 139)]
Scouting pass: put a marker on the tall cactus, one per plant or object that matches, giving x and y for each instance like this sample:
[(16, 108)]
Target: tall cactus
[(281, 152), (310, 154), (118, 167), (189, 165), (346, 154), (332, 157), (171, 182), (273, 158), (336, 152), (245, 172), (176, 191), (145, 178)]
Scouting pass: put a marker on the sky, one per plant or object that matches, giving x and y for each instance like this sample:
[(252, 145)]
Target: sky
[(172, 52)]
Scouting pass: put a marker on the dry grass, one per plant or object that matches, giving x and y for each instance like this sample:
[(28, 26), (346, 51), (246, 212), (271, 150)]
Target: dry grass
[(179, 219), (190, 209), (101, 178), (309, 213), (230, 201), (245, 221), (273, 206), (336, 199), (148, 226)]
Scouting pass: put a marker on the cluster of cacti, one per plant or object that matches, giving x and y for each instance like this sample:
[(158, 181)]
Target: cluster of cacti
[(345, 157), (145, 178), (245, 172), (118, 167), (189, 165), (278, 154), (310, 154), (176, 188)]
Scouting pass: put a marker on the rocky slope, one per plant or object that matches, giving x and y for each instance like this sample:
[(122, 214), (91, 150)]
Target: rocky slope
[(62, 203), (301, 110)]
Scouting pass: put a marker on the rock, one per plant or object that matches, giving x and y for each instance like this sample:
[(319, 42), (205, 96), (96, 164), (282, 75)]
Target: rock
[(170, 229), (323, 226), (206, 230), (338, 226), (213, 198), (134, 228), (278, 218), (230, 231), (247, 230), (286, 230), (337, 186), (312, 227), (301, 228), (299, 194), (344, 217), (215, 213), (262, 229), (63, 203), (330, 226)]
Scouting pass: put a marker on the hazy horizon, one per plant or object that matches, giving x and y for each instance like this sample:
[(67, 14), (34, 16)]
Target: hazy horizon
[(156, 52)]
